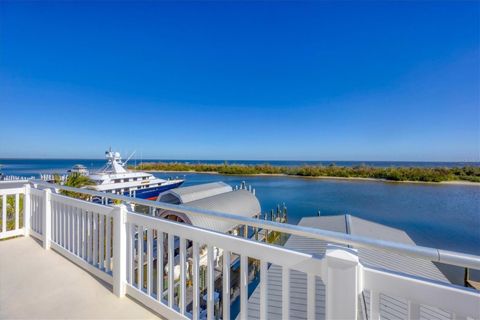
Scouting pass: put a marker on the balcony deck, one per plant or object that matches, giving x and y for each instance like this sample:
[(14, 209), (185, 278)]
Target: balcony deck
[(40, 284)]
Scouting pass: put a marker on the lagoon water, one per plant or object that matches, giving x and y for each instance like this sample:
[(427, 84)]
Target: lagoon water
[(442, 216)]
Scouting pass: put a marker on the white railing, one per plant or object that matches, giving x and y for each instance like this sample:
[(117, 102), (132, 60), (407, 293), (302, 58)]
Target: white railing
[(189, 242), (429, 254), (82, 231), (159, 263), (458, 302), (12, 178), (37, 214), (12, 215)]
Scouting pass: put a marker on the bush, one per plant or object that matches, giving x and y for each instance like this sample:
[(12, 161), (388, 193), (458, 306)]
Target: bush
[(468, 173)]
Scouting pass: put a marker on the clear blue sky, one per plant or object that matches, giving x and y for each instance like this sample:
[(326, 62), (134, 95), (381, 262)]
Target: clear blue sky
[(252, 80)]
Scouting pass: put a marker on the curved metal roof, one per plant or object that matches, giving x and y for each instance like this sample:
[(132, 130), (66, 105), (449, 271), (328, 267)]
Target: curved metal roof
[(192, 193), (238, 202)]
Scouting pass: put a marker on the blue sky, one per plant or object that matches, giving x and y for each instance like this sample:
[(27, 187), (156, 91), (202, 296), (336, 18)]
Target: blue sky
[(233, 80)]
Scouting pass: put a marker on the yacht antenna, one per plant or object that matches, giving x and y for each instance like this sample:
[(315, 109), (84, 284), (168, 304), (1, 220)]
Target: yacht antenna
[(130, 157)]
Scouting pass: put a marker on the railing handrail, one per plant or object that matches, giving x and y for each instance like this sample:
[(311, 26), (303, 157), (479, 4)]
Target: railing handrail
[(426, 253)]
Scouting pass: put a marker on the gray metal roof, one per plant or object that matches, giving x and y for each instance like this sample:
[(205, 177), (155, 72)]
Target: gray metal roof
[(371, 257), (390, 307), (238, 202), (192, 193)]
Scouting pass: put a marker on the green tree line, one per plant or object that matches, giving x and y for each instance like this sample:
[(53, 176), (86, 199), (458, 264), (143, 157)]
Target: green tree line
[(421, 174)]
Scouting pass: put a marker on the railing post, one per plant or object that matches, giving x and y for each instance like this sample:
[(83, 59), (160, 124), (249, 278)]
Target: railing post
[(47, 219), (26, 211), (119, 250), (342, 283)]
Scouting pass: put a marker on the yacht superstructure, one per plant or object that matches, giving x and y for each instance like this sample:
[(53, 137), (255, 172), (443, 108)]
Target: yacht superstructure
[(115, 178)]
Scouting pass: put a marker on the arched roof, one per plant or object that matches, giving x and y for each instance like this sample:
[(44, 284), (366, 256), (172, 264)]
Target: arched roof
[(192, 193), (238, 202)]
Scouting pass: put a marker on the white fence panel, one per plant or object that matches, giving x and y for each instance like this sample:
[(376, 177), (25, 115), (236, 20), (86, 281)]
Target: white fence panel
[(181, 250), (83, 231), (12, 212), (457, 301), (37, 207)]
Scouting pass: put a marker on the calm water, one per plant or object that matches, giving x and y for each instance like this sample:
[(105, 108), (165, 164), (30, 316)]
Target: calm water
[(36, 166), (442, 216)]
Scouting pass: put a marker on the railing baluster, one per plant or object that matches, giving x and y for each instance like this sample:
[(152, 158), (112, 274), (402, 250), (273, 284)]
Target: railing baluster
[(149, 261), (171, 284), (78, 231), (33, 212), (55, 226), (95, 239), (17, 211), (53, 229), (27, 209), (57, 223), (108, 242), (413, 310), (101, 226), (89, 237), (243, 287), (47, 219), (140, 258), (40, 214), (74, 228), (311, 294), (210, 283), (183, 270), (70, 229), (374, 305), (4, 213), (226, 284), (264, 290), (64, 226), (67, 227), (159, 265), (195, 281), (37, 214), (84, 233), (132, 235), (285, 293), (52, 220), (129, 254)]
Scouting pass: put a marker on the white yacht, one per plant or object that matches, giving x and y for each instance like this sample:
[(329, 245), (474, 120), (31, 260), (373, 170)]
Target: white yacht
[(115, 178)]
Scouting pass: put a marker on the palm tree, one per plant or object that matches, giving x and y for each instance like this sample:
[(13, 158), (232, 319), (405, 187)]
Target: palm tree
[(76, 180)]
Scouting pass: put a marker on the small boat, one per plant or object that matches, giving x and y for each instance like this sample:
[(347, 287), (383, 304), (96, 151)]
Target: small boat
[(115, 178)]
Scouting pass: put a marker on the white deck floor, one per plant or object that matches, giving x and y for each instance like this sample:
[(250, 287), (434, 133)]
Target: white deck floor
[(40, 284)]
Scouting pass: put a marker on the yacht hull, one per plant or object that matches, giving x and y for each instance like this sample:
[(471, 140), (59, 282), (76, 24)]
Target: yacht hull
[(152, 193)]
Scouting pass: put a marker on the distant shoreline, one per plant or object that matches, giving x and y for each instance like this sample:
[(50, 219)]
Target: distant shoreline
[(452, 182)]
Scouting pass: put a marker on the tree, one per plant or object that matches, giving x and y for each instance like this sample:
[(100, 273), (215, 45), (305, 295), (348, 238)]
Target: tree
[(77, 180)]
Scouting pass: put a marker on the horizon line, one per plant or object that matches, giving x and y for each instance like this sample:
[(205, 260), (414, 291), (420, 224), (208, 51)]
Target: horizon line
[(266, 160)]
